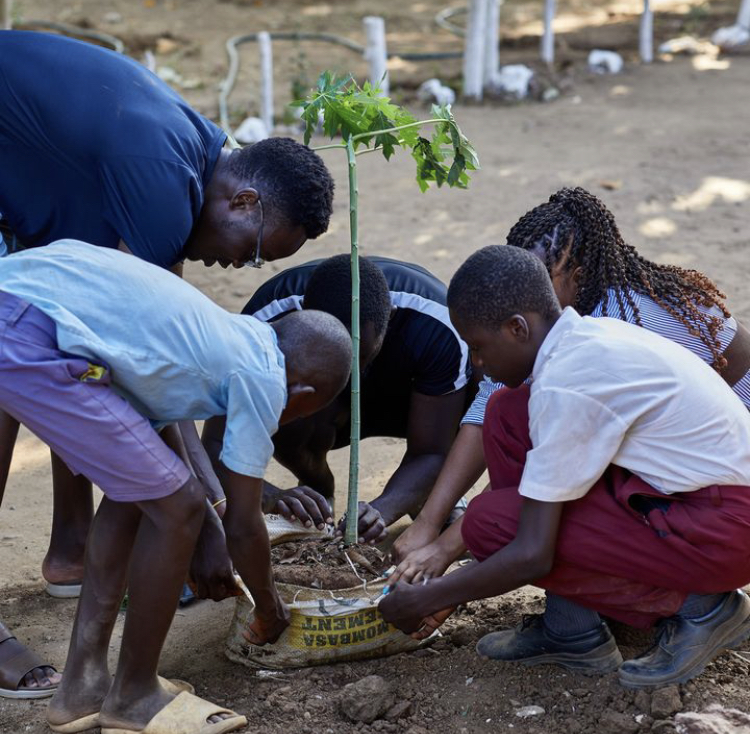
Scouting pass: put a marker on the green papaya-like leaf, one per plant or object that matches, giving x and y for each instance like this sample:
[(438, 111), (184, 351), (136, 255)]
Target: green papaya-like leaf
[(364, 114)]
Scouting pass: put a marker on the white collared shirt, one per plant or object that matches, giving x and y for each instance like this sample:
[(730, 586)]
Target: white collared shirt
[(608, 392)]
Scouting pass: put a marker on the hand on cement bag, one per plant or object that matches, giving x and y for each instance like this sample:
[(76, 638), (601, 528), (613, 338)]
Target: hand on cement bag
[(301, 503)]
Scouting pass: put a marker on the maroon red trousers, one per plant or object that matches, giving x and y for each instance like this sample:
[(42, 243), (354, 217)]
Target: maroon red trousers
[(626, 564)]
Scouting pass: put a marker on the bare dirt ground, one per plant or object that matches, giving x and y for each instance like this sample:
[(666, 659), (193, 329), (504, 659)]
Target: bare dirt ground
[(665, 146)]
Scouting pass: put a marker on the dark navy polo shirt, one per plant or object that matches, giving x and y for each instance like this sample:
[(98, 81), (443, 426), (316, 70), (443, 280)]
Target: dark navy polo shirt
[(95, 147)]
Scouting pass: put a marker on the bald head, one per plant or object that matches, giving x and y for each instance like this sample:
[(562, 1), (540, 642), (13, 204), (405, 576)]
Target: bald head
[(318, 353)]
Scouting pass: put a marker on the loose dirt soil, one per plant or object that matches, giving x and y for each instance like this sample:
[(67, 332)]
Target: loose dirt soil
[(666, 146), (326, 564)]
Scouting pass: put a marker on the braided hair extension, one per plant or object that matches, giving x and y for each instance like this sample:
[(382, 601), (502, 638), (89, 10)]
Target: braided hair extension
[(574, 226)]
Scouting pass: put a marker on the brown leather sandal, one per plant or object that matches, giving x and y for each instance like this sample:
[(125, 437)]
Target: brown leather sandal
[(16, 660)]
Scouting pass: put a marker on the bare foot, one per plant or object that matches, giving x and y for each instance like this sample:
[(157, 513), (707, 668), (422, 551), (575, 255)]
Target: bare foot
[(44, 676)]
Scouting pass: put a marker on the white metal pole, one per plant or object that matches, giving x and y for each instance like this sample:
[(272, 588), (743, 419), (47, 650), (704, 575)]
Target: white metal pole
[(743, 17), (474, 50), (547, 49), (266, 77), (5, 14), (646, 41), (492, 41), (376, 52)]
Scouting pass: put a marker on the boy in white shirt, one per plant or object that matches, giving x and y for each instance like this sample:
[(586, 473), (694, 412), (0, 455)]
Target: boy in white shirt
[(620, 485)]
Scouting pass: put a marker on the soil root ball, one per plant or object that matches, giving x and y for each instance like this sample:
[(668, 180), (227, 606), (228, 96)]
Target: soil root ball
[(665, 702), (366, 699), (325, 564)]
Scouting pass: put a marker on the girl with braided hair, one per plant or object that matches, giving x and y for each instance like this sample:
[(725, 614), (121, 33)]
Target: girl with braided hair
[(594, 270)]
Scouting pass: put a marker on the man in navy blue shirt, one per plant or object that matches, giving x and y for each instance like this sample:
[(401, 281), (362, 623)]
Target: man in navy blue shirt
[(95, 147)]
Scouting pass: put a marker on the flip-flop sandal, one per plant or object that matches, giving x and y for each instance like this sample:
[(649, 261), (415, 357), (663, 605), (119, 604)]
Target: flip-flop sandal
[(188, 714), (77, 725), (175, 686), (63, 591), (91, 721), (15, 662)]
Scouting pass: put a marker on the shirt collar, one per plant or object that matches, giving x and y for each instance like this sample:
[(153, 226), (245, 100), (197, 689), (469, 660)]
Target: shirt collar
[(568, 320)]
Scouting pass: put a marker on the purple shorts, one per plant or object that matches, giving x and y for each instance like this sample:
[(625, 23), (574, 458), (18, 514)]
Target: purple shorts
[(69, 404)]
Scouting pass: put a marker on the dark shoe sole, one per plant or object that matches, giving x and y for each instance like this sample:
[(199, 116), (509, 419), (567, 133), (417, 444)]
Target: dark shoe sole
[(736, 638), (603, 659)]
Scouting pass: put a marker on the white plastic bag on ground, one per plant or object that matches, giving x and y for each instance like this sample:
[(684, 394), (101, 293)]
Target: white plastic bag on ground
[(512, 80), (433, 90), (605, 62), (687, 45), (251, 130), (731, 37)]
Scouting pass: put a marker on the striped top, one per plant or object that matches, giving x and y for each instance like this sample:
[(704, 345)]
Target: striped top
[(654, 318)]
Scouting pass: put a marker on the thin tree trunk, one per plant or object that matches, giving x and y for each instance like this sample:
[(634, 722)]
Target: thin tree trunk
[(352, 507)]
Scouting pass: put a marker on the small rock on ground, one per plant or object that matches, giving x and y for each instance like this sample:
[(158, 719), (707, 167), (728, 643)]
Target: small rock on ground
[(614, 722), (462, 636), (400, 710), (663, 726), (643, 701), (665, 702), (366, 699)]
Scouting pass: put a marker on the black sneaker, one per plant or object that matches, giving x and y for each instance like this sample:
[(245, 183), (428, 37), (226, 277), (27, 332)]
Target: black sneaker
[(684, 647), (532, 643)]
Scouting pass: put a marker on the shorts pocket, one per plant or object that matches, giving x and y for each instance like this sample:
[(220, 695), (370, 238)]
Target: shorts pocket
[(82, 370)]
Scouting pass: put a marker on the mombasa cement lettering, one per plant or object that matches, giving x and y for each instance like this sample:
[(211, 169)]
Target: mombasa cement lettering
[(342, 630)]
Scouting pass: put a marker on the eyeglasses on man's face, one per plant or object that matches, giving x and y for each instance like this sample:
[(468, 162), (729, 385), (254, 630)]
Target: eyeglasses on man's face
[(257, 261)]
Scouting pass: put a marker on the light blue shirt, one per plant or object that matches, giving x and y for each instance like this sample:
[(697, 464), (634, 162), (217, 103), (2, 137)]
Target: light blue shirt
[(172, 352)]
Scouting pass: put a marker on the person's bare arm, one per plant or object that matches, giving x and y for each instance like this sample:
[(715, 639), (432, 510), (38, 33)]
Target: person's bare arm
[(211, 574), (433, 559), (302, 503), (737, 355), (462, 468), (247, 541), (430, 433), (529, 556), (183, 439), (201, 463)]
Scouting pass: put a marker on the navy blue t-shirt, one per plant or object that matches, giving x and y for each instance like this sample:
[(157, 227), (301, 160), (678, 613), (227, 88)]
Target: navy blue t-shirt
[(421, 350), (95, 147)]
